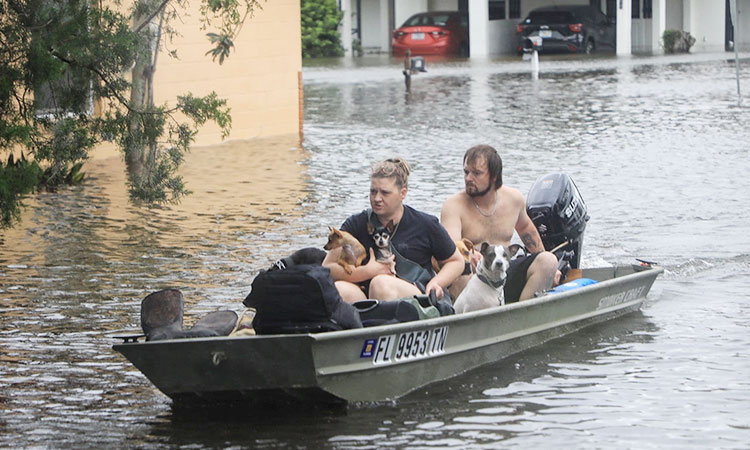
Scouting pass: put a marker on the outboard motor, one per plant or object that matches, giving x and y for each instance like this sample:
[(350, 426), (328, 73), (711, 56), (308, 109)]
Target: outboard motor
[(559, 213)]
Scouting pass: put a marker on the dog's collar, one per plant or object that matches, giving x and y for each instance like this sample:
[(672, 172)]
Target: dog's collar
[(486, 280), (284, 263)]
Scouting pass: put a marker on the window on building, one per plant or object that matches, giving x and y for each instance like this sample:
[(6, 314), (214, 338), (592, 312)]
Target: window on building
[(636, 11), (497, 9), (647, 9), (514, 9)]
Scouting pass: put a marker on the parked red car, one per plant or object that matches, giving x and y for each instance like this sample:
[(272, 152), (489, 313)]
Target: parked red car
[(433, 33)]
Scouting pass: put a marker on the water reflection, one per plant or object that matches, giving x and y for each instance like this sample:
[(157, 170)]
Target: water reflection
[(534, 390), (561, 383), (268, 427), (83, 258)]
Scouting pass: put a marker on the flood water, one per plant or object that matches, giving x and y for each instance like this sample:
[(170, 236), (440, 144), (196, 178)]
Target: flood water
[(657, 146)]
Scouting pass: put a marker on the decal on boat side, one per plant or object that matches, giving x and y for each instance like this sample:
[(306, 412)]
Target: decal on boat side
[(368, 348), (405, 346), (621, 297)]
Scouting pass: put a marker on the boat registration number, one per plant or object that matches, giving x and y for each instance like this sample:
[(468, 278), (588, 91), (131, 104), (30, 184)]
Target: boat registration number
[(406, 346)]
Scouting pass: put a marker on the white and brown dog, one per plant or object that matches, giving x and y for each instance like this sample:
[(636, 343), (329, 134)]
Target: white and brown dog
[(485, 287)]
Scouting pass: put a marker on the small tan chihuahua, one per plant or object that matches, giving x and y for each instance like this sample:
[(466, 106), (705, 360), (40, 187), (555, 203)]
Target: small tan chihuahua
[(465, 247), (352, 251)]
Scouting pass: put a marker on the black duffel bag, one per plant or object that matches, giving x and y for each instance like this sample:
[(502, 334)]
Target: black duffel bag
[(299, 299), (374, 312)]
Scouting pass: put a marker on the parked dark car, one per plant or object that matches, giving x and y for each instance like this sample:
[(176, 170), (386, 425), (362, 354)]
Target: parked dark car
[(570, 28), (433, 33)]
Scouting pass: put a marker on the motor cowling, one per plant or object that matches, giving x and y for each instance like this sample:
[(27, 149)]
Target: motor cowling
[(559, 213)]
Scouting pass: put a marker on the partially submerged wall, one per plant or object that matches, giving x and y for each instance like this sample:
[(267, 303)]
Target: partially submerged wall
[(260, 79)]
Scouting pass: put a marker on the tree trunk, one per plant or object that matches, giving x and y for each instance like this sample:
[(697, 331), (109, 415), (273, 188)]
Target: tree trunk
[(140, 154)]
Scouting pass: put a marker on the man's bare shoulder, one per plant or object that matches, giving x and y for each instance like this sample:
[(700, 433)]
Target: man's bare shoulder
[(511, 194), (455, 201)]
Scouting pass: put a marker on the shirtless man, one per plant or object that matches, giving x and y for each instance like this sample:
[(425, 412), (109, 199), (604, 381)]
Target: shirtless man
[(488, 211)]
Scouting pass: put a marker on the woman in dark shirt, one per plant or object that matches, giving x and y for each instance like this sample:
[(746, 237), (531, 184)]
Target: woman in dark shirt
[(418, 237)]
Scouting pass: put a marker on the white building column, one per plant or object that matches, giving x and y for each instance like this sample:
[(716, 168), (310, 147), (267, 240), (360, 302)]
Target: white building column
[(624, 27), (345, 28), (479, 18), (385, 30), (687, 15), (658, 25)]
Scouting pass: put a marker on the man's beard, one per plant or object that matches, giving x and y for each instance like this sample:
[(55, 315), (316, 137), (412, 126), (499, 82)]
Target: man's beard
[(479, 193)]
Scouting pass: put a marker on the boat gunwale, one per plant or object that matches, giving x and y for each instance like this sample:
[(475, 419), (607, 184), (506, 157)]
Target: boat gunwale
[(553, 297), (640, 272), (633, 277)]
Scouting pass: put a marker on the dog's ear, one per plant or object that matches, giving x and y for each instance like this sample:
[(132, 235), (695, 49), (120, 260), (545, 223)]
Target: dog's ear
[(469, 245), (483, 248), (513, 249), (331, 229), (370, 228)]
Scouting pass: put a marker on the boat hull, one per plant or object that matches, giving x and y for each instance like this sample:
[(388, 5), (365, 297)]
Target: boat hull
[(379, 363)]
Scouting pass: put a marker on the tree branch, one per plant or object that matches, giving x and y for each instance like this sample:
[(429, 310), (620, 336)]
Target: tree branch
[(151, 16), (103, 77)]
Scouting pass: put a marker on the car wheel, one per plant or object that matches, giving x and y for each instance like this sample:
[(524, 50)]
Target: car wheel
[(590, 47)]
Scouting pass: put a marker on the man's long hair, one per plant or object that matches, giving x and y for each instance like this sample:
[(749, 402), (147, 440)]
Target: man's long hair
[(494, 162)]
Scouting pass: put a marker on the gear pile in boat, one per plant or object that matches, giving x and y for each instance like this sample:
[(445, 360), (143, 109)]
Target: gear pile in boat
[(295, 298)]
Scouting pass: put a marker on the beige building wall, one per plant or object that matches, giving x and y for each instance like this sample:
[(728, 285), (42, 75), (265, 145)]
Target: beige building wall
[(261, 79)]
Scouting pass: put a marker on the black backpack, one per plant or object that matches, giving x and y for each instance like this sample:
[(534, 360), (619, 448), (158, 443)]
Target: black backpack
[(299, 299)]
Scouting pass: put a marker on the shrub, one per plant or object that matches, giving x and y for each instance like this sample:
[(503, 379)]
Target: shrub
[(676, 41), (320, 35), (357, 47)]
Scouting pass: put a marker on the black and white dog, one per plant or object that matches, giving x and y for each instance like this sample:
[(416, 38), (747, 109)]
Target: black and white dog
[(381, 235), (485, 287)]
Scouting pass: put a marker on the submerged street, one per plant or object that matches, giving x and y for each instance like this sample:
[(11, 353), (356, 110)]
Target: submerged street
[(658, 147)]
